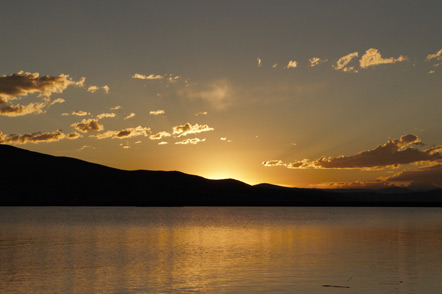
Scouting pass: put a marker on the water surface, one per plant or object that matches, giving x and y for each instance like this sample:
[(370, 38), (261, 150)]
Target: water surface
[(220, 250)]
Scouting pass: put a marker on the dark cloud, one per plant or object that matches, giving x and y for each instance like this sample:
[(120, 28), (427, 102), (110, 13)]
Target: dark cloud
[(37, 137), (424, 177), (14, 87), (88, 125), (394, 153)]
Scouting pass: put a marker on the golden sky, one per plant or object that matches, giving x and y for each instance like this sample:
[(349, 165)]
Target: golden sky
[(307, 93)]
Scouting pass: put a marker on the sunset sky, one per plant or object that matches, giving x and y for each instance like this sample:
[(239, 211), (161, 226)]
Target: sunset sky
[(296, 93)]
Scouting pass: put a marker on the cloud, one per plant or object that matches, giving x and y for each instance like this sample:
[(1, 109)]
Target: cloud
[(103, 115), (37, 137), (116, 107), (315, 61), (88, 125), (437, 55), (85, 147), (159, 135), (193, 141), (149, 77), (342, 63), (273, 163), (225, 139), (79, 113), (11, 110), (57, 101), (201, 113), (424, 177), (130, 116), (186, 129), (173, 78), (163, 143), (394, 153), (292, 64), (275, 65), (93, 89), (420, 178), (124, 134), (218, 93), (372, 57), (431, 72), (16, 86), (157, 112), (259, 62)]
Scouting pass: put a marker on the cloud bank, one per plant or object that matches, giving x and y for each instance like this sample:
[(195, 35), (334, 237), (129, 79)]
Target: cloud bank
[(37, 137), (394, 153), (16, 86)]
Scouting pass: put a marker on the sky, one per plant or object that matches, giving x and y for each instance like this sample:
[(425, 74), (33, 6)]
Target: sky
[(322, 94)]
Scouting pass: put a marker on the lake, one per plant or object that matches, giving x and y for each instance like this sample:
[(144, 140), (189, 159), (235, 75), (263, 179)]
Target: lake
[(220, 250)]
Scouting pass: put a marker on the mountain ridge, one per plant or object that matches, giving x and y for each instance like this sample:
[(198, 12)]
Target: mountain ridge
[(33, 178)]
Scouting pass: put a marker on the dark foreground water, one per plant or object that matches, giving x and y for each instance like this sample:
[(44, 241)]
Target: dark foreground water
[(220, 250)]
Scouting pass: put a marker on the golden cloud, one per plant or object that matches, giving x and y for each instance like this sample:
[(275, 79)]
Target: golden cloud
[(148, 77), (342, 63), (391, 154), (192, 141), (315, 61), (94, 89), (37, 137), (186, 129), (437, 55), (88, 125), (130, 116), (104, 115), (157, 112), (372, 57), (16, 86), (159, 135), (124, 134), (292, 64)]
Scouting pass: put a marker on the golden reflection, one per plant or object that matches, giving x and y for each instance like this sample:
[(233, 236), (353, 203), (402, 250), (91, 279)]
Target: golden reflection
[(208, 249)]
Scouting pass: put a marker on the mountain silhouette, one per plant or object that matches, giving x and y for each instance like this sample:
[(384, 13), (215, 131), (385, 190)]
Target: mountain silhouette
[(32, 178)]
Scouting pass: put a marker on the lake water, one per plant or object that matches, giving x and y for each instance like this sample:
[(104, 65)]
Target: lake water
[(220, 250)]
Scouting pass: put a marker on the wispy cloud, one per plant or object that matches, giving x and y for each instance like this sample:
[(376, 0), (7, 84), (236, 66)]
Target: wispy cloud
[(315, 61), (104, 115), (159, 135), (259, 62), (116, 107), (37, 137), (79, 113), (88, 125), (342, 63), (157, 112), (124, 134), (201, 113), (192, 141), (148, 77), (218, 94), (130, 116), (94, 89), (437, 55), (186, 129), (372, 57)]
